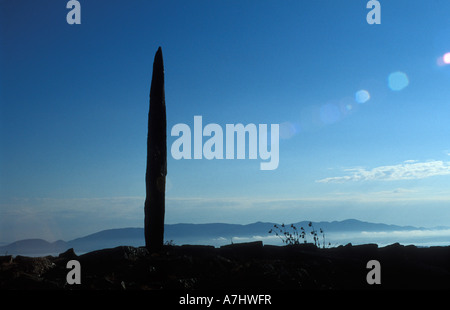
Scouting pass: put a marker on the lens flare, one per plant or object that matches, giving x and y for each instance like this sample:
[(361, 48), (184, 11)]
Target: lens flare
[(288, 130), (443, 60), (329, 113), (362, 96), (446, 58), (398, 81)]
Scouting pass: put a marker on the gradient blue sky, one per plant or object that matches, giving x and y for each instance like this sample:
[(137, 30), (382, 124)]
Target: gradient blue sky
[(74, 104)]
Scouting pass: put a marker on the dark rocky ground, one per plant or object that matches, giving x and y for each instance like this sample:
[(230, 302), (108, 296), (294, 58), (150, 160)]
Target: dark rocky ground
[(238, 266)]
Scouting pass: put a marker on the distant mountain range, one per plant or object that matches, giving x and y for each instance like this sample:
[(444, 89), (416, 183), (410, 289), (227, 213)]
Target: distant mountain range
[(186, 234)]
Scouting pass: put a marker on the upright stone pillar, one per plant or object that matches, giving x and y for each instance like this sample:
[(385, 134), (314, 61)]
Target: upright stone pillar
[(155, 177)]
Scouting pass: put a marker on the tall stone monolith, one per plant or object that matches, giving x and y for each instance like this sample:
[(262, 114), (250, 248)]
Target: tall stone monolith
[(155, 177)]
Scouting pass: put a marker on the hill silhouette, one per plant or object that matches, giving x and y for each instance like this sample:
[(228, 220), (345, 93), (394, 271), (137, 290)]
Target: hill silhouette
[(183, 234)]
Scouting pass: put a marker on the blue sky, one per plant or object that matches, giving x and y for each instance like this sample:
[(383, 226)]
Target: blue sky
[(363, 112)]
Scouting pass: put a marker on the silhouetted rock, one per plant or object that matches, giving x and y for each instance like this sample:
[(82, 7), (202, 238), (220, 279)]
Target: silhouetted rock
[(246, 249), (237, 266), (69, 254), (7, 259), (155, 177)]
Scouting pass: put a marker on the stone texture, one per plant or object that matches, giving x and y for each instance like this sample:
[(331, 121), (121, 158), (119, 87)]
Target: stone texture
[(155, 177), (240, 266)]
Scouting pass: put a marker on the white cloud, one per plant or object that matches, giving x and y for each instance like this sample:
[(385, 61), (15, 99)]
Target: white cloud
[(424, 237), (410, 161), (408, 170), (66, 218)]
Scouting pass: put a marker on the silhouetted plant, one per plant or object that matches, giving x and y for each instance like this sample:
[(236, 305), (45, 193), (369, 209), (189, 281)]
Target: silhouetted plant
[(314, 234), (287, 237), (323, 238), (169, 243), (295, 236)]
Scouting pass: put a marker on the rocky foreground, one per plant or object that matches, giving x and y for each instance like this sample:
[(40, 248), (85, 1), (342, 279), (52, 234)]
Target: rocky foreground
[(237, 266)]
